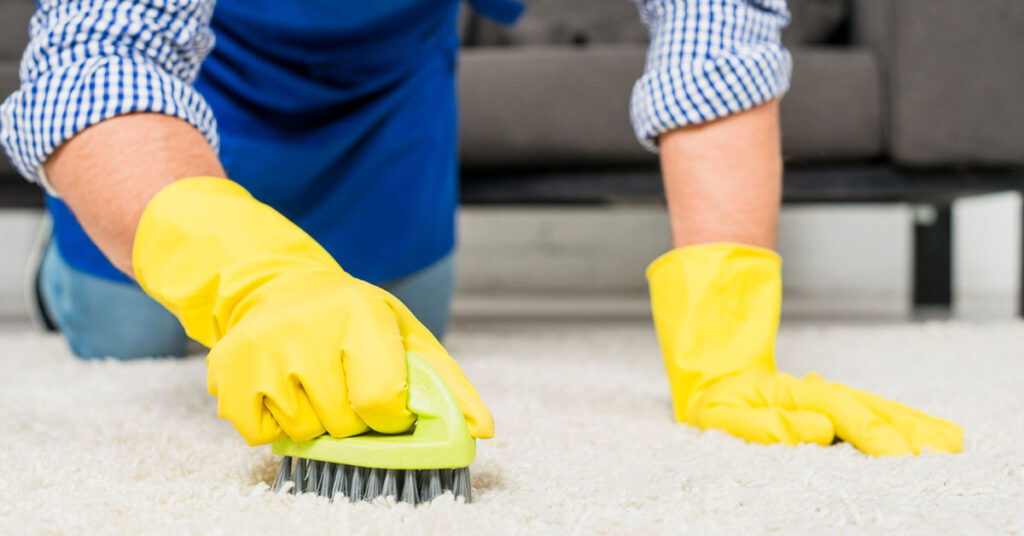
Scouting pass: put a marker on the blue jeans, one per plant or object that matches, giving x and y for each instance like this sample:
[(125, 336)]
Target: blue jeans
[(103, 318)]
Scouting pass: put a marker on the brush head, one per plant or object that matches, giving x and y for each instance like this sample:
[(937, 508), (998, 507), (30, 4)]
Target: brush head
[(430, 459)]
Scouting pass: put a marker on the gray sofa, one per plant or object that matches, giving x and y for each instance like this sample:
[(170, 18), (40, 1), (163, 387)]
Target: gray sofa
[(913, 82), (916, 101)]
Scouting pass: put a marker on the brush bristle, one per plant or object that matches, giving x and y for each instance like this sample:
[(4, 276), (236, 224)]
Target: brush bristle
[(338, 481), (299, 475)]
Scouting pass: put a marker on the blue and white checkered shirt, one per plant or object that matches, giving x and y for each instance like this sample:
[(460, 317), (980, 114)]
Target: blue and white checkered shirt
[(708, 59), (91, 60)]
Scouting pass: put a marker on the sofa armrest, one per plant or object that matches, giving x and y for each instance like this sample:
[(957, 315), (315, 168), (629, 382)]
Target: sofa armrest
[(953, 76)]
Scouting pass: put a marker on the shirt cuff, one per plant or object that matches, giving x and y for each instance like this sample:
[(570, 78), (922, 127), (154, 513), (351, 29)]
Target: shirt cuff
[(37, 118), (708, 59)]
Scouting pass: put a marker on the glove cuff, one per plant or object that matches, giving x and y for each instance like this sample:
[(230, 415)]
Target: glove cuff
[(204, 243), (716, 312), (732, 249)]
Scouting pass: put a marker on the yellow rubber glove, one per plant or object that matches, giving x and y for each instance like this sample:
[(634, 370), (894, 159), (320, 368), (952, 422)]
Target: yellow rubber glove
[(298, 346), (716, 311)]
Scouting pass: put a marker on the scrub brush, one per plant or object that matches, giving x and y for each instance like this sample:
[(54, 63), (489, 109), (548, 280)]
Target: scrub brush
[(415, 467)]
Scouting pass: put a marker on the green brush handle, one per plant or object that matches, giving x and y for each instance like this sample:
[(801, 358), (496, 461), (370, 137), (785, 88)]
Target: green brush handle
[(440, 439)]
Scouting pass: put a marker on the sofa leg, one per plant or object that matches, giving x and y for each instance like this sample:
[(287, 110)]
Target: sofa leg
[(933, 256)]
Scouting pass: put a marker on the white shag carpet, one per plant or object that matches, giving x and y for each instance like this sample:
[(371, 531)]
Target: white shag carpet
[(585, 444)]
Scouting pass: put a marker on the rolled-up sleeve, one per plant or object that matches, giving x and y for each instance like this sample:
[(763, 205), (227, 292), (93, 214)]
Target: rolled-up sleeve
[(708, 59), (88, 61)]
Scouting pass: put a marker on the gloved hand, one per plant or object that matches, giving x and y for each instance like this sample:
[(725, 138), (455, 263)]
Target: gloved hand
[(716, 311), (298, 346)]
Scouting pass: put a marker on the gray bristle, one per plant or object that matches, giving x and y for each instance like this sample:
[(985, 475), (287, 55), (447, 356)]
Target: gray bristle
[(284, 473), (356, 484), (313, 476), (340, 488), (409, 491), (326, 471), (446, 480), (462, 484), (390, 487), (374, 480), (299, 475), (430, 485), (337, 481)]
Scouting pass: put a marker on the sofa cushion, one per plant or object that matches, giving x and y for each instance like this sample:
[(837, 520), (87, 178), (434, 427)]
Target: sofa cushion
[(815, 21), (541, 107), (14, 17), (957, 83), (833, 110), (566, 22), (579, 22)]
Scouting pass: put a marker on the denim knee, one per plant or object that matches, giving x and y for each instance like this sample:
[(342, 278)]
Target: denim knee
[(102, 318), (428, 294)]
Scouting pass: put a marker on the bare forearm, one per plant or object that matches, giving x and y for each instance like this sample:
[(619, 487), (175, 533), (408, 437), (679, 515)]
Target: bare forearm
[(108, 173), (723, 179)]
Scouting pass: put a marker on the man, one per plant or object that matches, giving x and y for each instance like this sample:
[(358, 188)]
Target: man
[(342, 118)]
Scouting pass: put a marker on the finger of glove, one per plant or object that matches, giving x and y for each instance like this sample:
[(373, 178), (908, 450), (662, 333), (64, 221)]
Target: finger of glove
[(262, 401), (759, 406), (241, 406), (769, 425), (374, 363), (290, 406), (420, 340), (328, 396), (854, 421), (251, 419), (921, 430)]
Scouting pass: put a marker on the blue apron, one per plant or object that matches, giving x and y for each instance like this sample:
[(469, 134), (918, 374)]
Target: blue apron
[(342, 116)]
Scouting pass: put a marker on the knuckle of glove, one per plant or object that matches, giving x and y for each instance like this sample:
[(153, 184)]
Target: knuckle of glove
[(257, 376), (383, 408)]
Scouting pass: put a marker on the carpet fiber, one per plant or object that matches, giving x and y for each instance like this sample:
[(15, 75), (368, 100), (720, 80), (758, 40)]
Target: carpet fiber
[(585, 444)]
